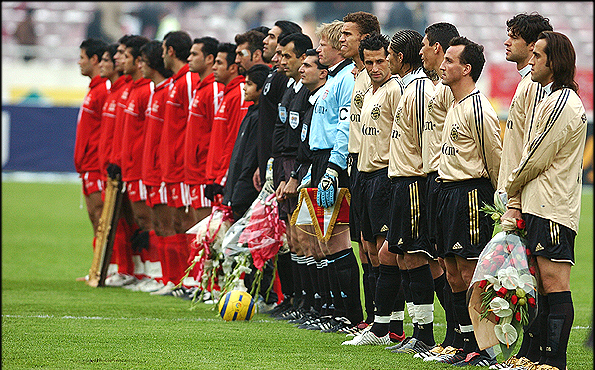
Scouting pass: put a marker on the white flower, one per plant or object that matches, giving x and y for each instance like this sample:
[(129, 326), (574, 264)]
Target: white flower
[(527, 282), (506, 333), (509, 277), (493, 280), (500, 307)]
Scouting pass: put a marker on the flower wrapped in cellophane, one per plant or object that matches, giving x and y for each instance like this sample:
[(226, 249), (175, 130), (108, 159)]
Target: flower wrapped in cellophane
[(503, 290), (206, 254), (253, 240)]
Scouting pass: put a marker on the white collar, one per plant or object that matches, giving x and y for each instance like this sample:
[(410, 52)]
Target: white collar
[(548, 88), (525, 70), (298, 85), (412, 76)]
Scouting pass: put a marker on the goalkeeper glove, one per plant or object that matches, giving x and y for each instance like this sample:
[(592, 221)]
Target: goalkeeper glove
[(327, 188)]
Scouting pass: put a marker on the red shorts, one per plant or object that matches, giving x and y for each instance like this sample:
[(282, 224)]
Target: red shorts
[(156, 195), (178, 195), (137, 192), (198, 198), (92, 182)]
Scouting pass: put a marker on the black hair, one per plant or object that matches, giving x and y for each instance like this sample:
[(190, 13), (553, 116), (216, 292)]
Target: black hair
[(472, 54), (374, 41), (301, 43), (209, 45), (135, 43), (230, 49), (258, 74), (312, 53), (287, 27), (153, 52), (528, 26), (441, 33), (94, 47), (181, 42), (561, 58), (262, 29), (408, 42), (112, 49)]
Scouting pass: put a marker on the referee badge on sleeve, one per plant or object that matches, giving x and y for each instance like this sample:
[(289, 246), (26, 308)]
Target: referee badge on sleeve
[(304, 132), (282, 114), (294, 119)]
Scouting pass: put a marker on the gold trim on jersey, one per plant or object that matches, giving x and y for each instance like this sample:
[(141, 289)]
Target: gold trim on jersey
[(555, 233), (473, 216), (415, 209)]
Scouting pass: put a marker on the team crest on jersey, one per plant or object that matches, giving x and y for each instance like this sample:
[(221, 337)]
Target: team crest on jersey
[(398, 114), (584, 118), (304, 132), (430, 105), (325, 94), (358, 100), (294, 119), (454, 134), (375, 112), (266, 89), (282, 114), (155, 107), (131, 106)]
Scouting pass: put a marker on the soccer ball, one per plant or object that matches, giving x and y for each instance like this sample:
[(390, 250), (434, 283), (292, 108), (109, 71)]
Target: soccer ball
[(236, 305)]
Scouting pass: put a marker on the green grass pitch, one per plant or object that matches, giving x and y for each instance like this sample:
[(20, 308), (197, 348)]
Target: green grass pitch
[(50, 321)]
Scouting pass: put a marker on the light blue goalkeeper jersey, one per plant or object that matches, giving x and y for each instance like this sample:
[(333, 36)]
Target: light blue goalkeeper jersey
[(329, 128)]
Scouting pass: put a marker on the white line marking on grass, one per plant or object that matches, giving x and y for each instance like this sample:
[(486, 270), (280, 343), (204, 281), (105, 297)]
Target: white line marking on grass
[(68, 317)]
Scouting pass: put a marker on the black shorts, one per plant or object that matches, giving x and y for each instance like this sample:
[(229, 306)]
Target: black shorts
[(374, 198), (462, 229), (355, 205), (549, 239), (278, 174), (320, 164), (408, 225), (431, 198), (288, 205)]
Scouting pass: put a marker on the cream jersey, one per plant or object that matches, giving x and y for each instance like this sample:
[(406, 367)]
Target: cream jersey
[(526, 97), (405, 156), (549, 175), (362, 84), (437, 107), (471, 146), (378, 111)]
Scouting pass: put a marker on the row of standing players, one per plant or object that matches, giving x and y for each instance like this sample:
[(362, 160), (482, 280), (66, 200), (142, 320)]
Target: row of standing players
[(402, 125)]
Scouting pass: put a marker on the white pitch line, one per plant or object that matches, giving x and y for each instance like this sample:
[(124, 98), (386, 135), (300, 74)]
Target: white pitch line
[(68, 317)]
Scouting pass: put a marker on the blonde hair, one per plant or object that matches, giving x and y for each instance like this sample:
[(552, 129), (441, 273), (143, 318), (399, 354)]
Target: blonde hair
[(331, 32)]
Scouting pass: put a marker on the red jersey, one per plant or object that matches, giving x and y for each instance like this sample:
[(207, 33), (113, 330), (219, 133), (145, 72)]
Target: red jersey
[(108, 117), (174, 126), (151, 172), (133, 137), (207, 99), (121, 104), (225, 129), (88, 126)]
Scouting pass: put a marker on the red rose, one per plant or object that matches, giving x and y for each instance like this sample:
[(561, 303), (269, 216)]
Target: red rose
[(502, 292), (532, 270), (531, 301), (514, 299), (528, 252), (513, 262), (483, 283), (499, 248), (523, 263), (518, 316), (486, 264), (520, 224), (509, 248), (497, 319)]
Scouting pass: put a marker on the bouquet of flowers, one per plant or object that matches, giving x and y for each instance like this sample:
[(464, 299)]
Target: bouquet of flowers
[(207, 253), (503, 288)]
